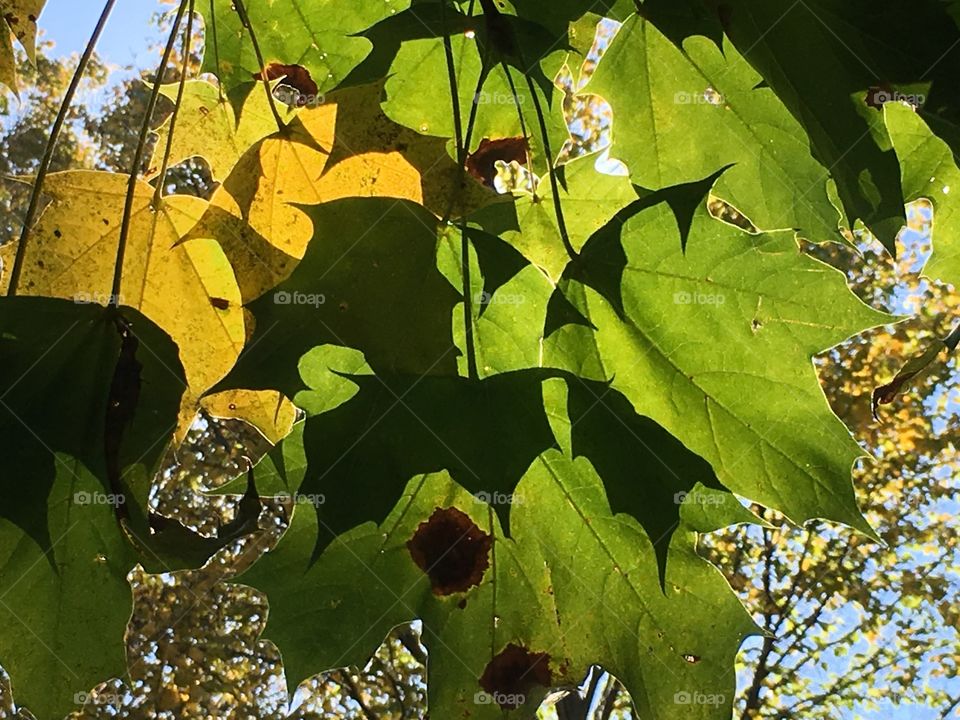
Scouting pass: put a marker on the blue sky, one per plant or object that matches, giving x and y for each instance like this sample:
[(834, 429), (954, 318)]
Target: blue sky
[(69, 23)]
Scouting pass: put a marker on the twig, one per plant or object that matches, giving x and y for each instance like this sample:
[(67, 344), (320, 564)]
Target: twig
[(138, 158)]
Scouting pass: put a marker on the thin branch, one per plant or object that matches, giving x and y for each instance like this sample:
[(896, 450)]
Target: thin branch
[(138, 157), (21, 251), (245, 19), (472, 371), (216, 49), (187, 41)]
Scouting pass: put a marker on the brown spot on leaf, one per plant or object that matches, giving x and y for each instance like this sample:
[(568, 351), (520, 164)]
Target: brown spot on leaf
[(452, 550), (57, 233), (219, 303), (481, 163), (513, 672), (296, 76)]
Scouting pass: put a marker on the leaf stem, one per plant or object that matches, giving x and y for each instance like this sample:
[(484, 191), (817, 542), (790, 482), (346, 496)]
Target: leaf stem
[(245, 19), (51, 146), (216, 48), (551, 170), (187, 41), (472, 372), (138, 158)]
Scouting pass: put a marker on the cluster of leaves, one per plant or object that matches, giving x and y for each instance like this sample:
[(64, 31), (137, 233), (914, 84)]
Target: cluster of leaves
[(521, 407)]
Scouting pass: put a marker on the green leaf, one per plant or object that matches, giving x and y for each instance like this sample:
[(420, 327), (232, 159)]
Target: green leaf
[(64, 600), (852, 49), (367, 582), (672, 651), (368, 281), (508, 302), (207, 127), (418, 90), (589, 200), (687, 113), (715, 344), (322, 37), (557, 589), (928, 170)]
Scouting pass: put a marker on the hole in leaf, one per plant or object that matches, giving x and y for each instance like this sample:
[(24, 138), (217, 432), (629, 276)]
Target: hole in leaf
[(482, 163), (296, 76)]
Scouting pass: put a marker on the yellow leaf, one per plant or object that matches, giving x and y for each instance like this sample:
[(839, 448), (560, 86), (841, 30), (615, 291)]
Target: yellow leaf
[(344, 148), (18, 17), (187, 288), (207, 127), (267, 410)]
